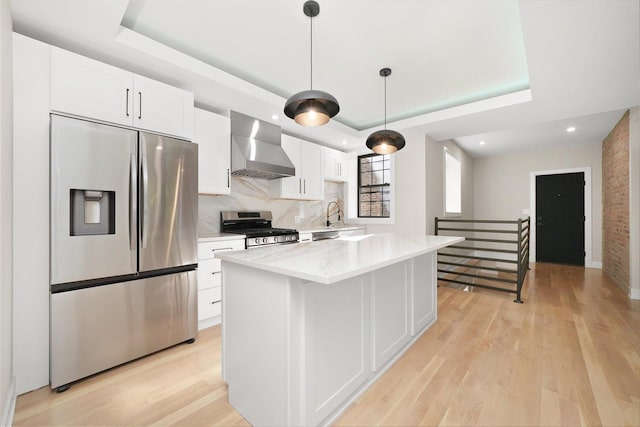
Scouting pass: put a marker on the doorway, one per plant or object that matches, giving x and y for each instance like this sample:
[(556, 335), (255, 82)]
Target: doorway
[(560, 218)]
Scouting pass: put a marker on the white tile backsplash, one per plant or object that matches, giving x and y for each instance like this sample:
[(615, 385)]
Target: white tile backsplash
[(253, 194)]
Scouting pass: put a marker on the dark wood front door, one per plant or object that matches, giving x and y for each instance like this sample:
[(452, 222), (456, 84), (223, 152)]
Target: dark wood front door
[(560, 218)]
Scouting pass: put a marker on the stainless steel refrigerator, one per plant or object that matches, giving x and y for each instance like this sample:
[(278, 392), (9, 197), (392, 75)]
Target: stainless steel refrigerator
[(124, 212)]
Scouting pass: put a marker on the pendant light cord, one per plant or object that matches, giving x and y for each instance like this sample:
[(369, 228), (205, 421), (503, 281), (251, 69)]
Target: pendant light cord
[(385, 102), (311, 55)]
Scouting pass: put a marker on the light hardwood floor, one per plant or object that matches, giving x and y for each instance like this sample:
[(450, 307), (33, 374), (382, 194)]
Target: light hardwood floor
[(570, 355)]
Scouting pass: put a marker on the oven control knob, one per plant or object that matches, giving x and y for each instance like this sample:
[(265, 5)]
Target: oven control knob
[(287, 237), (257, 240), (264, 240)]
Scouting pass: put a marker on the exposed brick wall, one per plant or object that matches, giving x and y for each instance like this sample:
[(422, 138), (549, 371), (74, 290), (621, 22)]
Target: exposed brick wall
[(615, 204)]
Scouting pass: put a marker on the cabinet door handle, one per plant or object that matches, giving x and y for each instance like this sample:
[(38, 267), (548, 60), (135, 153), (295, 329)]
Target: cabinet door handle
[(215, 302), (215, 272), (305, 186), (221, 249), (228, 178), (140, 106), (127, 103), (299, 185)]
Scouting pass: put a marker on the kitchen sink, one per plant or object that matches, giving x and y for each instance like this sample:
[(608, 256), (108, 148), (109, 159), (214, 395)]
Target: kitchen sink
[(355, 238), (335, 234)]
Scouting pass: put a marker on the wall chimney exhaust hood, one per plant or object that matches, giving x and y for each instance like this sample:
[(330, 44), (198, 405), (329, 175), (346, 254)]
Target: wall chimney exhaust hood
[(255, 149)]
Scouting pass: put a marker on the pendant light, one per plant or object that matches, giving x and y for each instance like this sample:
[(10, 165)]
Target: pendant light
[(311, 107), (385, 141)]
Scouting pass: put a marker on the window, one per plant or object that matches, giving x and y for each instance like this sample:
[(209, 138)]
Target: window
[(452, 185), (374, 186)]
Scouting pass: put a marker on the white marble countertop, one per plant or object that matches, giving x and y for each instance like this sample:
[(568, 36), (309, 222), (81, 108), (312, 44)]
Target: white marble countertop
[(213, 237), (329, 261), (338, 228)]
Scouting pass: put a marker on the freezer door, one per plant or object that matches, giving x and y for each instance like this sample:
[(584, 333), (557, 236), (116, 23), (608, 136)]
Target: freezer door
[(93, 200), (168, 202), (96, 328)]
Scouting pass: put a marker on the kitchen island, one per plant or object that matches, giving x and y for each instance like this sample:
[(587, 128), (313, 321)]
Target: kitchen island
[(307, 327)]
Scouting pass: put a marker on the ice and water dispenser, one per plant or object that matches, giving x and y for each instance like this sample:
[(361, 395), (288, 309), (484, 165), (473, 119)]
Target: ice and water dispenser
[(92, 212)]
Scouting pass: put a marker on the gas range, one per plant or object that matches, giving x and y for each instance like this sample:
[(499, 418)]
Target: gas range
[(256, 225)]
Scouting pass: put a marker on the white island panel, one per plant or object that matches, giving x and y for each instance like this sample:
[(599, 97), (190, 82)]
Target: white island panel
[(423, 292), (256, 344), (390, 311), (337, 345), (297, 352)]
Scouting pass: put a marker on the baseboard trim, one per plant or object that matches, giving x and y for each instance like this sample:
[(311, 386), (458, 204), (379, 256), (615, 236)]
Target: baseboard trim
[(207, 323), (634, 293), (594, 264), (9, 405)]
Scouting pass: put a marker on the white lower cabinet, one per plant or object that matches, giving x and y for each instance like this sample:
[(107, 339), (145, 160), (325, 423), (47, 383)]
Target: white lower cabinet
[(209, 303), (210, 279)]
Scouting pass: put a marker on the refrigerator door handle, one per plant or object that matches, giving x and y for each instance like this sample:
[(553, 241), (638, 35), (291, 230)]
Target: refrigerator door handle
[(133, 205), (145, 202)]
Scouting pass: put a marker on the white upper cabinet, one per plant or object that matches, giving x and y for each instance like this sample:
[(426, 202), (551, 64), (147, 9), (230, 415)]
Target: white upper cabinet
[(87, 88), (291, 187), (335, 165), (212, 134), (311, 159), (162, 108), (307, 184)]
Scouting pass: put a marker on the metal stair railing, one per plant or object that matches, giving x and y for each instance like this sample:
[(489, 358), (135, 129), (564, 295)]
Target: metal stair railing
[(486, 248)]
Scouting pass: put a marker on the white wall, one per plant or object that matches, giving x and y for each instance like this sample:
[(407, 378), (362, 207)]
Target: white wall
[(502, 183), (634, 202), (434, 163), (419, 185), (7, 385), (410, 192)]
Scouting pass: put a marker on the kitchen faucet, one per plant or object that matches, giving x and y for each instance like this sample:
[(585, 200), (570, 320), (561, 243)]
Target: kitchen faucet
[(339, 210)]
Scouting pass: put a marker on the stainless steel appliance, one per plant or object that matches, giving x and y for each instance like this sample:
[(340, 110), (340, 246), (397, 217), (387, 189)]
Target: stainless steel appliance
[(256, 149), (256, 226), (124, 212)]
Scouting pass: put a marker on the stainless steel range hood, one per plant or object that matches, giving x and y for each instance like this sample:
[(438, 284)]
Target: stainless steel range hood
[(256, 149)]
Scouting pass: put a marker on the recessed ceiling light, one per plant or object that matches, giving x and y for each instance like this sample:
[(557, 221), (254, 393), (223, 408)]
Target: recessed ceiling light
[(275, 117), (344, 141), (571, 129), (482, 143)]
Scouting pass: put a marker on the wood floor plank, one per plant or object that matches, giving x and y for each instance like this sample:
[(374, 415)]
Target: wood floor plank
[(568, 356)]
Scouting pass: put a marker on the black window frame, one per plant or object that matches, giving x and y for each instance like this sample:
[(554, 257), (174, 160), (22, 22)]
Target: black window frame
[(383, 188)]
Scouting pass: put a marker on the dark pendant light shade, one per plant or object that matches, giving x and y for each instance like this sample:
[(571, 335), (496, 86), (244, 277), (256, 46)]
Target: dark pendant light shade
[(311, 107), (385, 141)]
